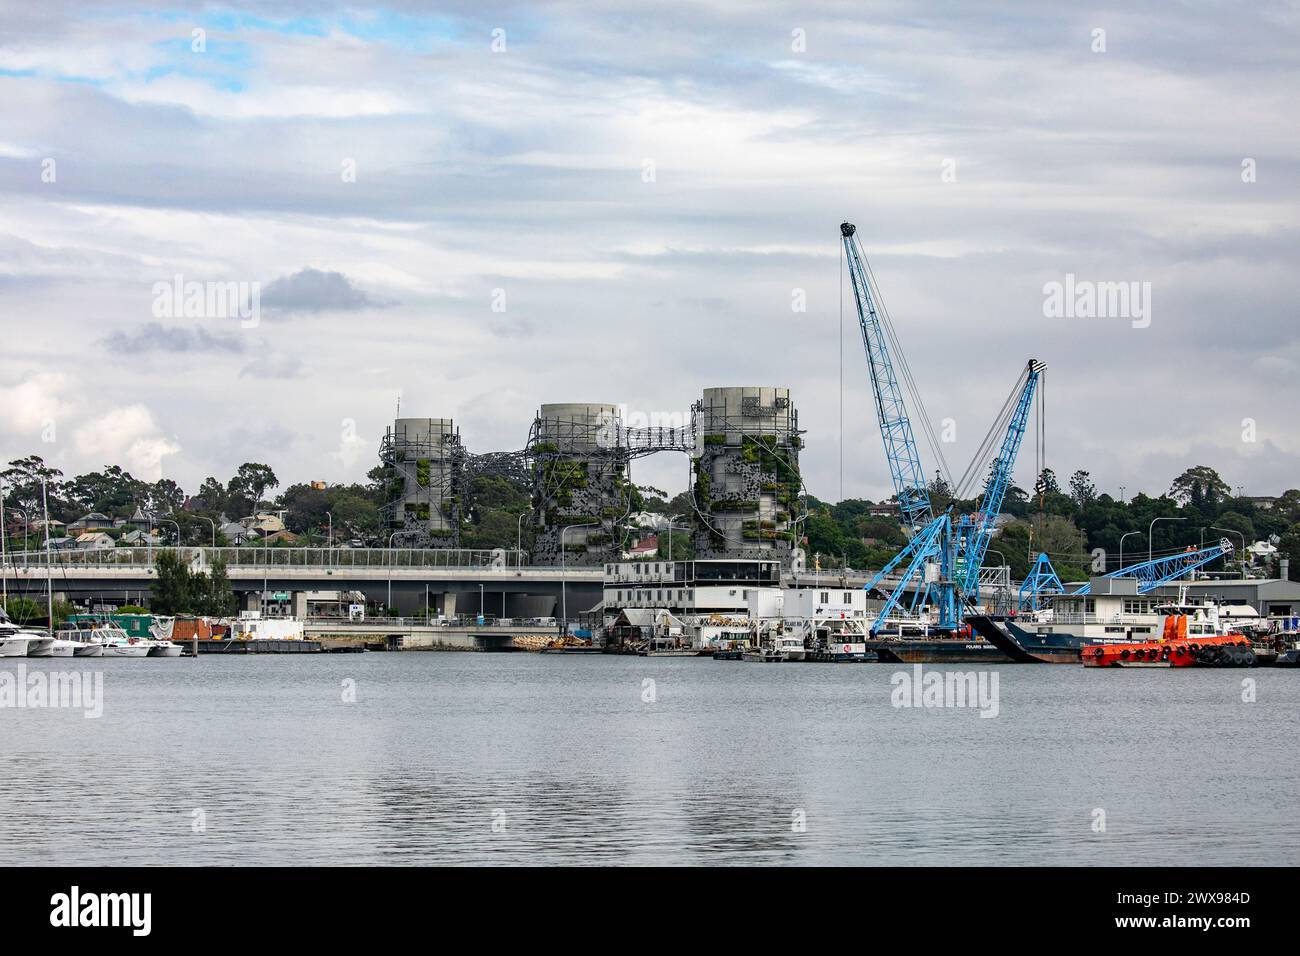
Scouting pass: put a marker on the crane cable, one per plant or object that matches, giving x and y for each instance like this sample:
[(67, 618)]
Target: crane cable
[(991, 439), (887, 324)]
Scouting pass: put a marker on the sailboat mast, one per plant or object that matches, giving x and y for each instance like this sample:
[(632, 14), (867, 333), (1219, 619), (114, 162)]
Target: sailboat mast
[(49, 569)]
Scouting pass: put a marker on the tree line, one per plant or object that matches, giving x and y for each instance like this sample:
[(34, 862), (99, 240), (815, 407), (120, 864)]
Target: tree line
[(1070, 524)]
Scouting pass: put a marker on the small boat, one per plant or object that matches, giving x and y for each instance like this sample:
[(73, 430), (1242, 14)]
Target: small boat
[(52, 647), (1185, 652), (13, 645), (730, 651), (14, 641), (87, 640), (761, 655), (1186, 640), (667, 647), (161, 645), (790, 647), (39, 645), (1289, 658), (117, 643)]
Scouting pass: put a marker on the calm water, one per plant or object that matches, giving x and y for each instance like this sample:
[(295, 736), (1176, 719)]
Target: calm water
[(573, 766)]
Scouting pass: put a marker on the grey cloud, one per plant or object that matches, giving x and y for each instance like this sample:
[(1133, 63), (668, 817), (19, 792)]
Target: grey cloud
[(312, 290), (274, 367), (156, 337)]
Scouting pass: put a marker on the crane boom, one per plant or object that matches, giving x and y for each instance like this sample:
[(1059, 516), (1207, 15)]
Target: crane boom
[(1152, 574), (974, 532), (895, 427)]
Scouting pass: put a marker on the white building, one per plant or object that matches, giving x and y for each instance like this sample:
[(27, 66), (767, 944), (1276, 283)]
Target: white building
[(688, 587)]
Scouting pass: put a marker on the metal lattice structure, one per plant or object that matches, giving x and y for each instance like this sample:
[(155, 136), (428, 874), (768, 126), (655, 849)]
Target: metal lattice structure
[(1041, 583), (747, 489), (581, 490), (901, 452), (426, 462), (1152, 574)]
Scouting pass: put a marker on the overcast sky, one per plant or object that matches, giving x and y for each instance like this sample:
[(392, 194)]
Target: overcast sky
[(648, 188)]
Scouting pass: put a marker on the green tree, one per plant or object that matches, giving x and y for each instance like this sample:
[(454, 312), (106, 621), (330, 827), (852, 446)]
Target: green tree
[(1288, 547), (22, 485), (112, 491), (250, 484), (940, 492), (1082, 490), (1046, 484), (164, 497), (214, 595), (1236, 521), (1200, 481), (22, 610), (212, 496), (173, 590)]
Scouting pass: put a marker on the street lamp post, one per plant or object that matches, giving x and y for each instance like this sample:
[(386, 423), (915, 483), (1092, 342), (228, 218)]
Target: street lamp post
[(178, 529), (49, 568), (388, 606), (214, 529), (519, 534), (564, 591), (1241, 535), (1121, 546), (1151, 528), (26, 531), (330, 543)]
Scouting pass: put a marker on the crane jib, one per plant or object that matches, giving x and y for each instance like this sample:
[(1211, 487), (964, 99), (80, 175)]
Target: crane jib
[(901, 453)]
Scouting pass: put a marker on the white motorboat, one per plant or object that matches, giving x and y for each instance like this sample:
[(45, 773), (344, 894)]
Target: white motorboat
[(13, 640), (39, 645), (13, 645), (162, 645), (790, 647), (85, 641), (117, 643), (60, 646), (126, 648)]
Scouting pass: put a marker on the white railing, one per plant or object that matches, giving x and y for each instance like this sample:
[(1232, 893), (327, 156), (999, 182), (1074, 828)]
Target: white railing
[(255, 557)]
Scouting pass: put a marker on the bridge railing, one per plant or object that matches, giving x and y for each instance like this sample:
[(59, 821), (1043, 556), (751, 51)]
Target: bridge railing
[(271, 558)]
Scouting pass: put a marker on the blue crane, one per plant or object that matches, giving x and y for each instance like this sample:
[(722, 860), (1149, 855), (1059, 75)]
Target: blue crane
[(1150, 574), (944, 559), (1041, 581), (900, 444)]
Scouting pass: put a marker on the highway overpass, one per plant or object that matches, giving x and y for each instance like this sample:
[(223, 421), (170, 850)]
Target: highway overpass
[(453, 581)]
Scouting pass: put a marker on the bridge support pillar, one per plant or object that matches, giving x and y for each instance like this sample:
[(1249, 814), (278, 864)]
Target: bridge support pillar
[(449, 603)]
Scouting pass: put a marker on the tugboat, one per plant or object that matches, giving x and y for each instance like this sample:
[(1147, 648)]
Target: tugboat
[(1176, 648), (730, 651)]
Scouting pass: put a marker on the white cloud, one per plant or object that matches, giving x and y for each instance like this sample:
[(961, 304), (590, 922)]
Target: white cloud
[(28, 407), (127, 436)]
